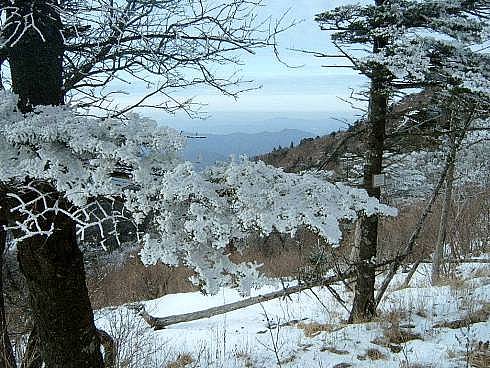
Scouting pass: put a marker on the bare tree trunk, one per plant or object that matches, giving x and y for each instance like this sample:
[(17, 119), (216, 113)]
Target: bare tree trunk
[(110, 349), (354, 253), (410, 274), (441, 234), (364, 306), (7, 359), (53, 267), (36, 62), (2, 59)]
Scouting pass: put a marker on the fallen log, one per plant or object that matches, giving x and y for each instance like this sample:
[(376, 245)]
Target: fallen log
[(464, 260), (159, 323)]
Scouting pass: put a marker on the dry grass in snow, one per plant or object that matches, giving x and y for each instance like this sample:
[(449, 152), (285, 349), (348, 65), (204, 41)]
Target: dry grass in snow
[(443, 326)]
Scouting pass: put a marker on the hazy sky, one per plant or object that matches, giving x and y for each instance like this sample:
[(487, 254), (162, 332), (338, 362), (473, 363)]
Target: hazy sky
[(310, 87), (309, 91)]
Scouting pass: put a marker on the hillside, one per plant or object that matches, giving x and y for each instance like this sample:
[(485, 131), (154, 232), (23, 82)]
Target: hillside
[(326, 152), (309, 154)]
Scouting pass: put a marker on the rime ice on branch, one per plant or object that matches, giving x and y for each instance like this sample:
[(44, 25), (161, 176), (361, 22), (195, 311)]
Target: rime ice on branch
[(428, 43), (190, 216)]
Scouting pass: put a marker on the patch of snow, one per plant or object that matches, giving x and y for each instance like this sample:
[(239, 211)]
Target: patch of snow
[(246, 337)]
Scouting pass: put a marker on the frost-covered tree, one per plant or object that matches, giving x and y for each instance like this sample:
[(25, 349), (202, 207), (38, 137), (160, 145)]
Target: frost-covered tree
[(397, 45), (54, 47), (57, 164), (188, 210), (83, 51), (417, 146)]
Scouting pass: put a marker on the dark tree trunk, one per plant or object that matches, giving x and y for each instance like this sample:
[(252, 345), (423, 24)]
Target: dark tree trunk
[(7, 359), (36, 62), (59, 300), (53, 266), (364, 305)]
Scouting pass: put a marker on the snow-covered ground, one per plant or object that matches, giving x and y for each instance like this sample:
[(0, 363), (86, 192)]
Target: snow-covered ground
[(417, 327)]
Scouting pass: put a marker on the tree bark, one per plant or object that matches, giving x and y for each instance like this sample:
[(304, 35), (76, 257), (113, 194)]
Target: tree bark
[(110, 349), (364, 307), (36, 56), (53, 266), (7, 359), (58, 296)]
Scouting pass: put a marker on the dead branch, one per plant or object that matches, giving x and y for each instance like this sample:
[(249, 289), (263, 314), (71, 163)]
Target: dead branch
[(338, 147), (159, 323), (420, 224), (458, 261), (410, 274), (414, 267), (413, 237)]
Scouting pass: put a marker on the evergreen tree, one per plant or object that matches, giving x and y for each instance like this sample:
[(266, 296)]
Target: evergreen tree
[(404, 44)]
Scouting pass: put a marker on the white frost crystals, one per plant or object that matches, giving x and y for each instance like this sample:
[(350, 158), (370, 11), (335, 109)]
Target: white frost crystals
[(202, 213), (78, 155), (189, 217)]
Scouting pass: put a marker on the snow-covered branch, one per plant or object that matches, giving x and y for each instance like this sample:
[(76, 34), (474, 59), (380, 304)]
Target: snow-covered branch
[(189, 217), (427, 42)]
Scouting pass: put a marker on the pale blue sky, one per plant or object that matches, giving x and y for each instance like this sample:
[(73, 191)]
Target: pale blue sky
[(307, 92)]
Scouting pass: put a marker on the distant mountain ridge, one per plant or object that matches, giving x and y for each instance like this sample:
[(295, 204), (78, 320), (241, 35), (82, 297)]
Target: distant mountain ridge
[(206, 149), (251, 125)]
